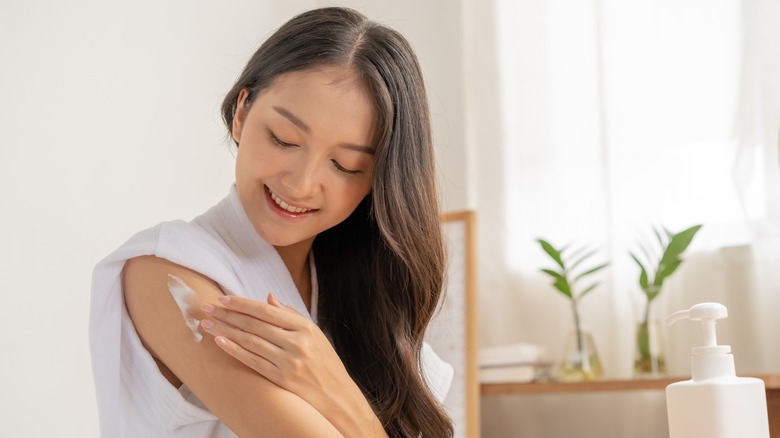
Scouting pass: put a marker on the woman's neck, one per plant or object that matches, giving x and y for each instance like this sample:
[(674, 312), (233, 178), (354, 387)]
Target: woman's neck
[(296, 259)]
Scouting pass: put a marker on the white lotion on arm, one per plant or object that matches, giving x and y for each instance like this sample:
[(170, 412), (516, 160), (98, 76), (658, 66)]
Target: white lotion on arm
[(185, 298)]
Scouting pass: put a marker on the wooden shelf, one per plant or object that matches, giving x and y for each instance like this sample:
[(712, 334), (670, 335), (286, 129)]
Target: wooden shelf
[(550, 387), (772, 381)]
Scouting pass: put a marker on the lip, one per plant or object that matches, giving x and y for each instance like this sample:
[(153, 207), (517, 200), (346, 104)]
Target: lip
[(284, 213)]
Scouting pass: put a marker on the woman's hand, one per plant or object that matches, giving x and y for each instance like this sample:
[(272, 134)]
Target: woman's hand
[(292, 352)]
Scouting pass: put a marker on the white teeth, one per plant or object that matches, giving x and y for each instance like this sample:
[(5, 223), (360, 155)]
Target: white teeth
[(286, 206)]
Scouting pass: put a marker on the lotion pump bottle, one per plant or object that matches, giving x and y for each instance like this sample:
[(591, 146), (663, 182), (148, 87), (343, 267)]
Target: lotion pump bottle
[(715, 403)]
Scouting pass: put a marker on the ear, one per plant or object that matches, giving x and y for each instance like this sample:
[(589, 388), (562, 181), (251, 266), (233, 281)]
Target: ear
[(240, 116)]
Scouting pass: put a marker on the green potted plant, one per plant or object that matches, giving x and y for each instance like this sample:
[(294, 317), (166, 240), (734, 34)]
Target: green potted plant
[(581, 361), (659, 262)]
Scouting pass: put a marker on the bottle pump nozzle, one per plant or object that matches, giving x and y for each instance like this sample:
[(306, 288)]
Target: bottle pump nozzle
[(711, 359), (707, 313)]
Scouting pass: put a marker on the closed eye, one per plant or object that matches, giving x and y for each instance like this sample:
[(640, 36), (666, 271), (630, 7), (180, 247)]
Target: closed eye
[(344, 169), (283, 144), (278, 141)]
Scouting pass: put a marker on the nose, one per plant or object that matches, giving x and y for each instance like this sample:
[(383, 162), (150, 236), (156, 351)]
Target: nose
[(302, 180)]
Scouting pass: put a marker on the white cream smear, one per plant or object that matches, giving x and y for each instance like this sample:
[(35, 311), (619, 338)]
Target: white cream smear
[(185, 298)]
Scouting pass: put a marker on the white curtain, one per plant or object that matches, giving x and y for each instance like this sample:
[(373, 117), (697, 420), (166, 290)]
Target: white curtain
[(617, 116), (757, 162)]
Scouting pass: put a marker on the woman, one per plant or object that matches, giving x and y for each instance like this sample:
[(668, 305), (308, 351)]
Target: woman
[(334, 213)]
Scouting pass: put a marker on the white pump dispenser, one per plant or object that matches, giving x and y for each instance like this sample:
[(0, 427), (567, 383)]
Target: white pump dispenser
[(715, 403)]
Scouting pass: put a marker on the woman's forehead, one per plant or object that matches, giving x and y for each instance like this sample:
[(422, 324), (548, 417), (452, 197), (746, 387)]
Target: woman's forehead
[(322, 100)]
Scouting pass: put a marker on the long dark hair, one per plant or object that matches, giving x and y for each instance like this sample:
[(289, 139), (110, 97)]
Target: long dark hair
[(381, 271)]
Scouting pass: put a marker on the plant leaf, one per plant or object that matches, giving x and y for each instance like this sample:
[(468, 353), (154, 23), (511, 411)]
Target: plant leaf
[(590, 271), (577, 252), (665, 270), (554, 274), (643, 246), (582, 259), (560, 282), (552, 252), (563, 286), (670, 261), (652, 292), (661, 241), (679, 242), (588, 289), (642, 274)]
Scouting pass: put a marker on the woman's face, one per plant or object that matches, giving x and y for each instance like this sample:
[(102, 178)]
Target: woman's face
[(305, 159)]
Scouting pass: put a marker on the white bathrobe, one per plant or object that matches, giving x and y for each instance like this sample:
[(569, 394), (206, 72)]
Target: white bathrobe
[(134, 398)]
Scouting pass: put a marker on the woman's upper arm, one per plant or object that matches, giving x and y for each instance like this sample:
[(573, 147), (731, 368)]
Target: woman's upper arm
[(245, 401)]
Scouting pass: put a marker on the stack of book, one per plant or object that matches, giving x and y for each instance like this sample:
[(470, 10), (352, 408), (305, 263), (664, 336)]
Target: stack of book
[(512, 363)]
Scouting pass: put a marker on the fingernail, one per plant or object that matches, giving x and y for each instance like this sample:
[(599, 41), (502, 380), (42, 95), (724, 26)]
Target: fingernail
[(221, 341), (224, 299), (207, 324), (272, 299), (208, 308)]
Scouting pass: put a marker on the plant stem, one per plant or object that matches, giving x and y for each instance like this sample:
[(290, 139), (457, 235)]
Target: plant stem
[(649, 360), (577, 327)]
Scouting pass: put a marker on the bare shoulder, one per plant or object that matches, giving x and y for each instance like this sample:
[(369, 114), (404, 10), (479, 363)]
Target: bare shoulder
[(245, 401), (148, 299), (148, 304)]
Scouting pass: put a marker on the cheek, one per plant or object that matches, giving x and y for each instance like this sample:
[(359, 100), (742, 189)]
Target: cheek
[(245, 164), (258, 160), (354, 194)]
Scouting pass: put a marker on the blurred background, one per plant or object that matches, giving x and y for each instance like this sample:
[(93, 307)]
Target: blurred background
[(577, 121)]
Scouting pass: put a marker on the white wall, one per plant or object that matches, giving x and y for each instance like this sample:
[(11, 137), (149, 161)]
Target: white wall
[(109, 124)]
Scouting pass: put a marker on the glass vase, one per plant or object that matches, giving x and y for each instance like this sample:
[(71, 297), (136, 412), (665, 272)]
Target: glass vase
[(580, 359), (649, 355)]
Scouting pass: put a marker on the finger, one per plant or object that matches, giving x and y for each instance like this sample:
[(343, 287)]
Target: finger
[(254, 344), (263, 311), (272, 300), (251, 308), (258, 363), (249, 324)]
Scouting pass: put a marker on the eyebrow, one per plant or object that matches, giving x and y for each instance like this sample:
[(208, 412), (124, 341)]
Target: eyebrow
[(305, 128), (358, 148), (293, 118)]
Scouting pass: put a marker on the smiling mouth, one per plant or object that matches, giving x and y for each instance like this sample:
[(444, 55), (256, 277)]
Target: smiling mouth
[(286, 207)]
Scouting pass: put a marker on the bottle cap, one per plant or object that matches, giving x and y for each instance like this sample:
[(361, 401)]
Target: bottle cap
[(710, 360), (707, 313)]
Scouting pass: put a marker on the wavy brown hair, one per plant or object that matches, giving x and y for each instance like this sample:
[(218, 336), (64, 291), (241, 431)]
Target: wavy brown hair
[(381, 271)]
